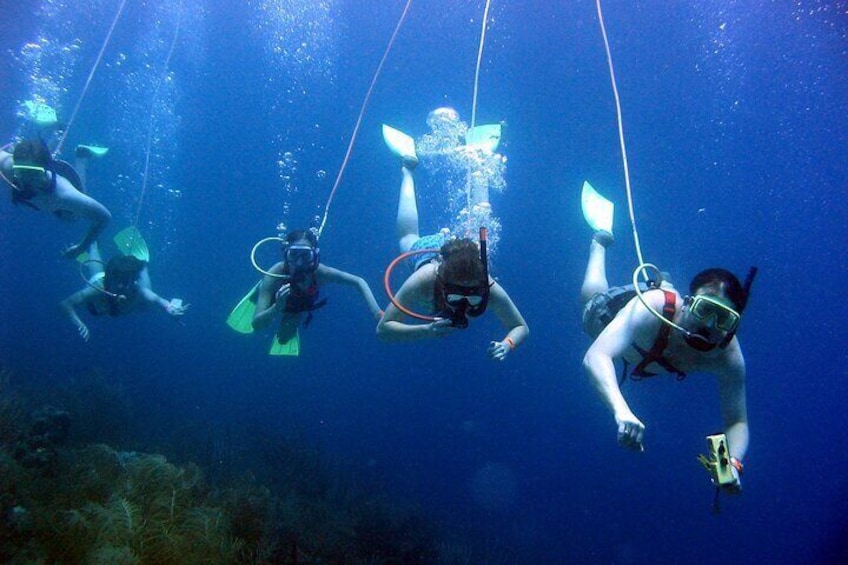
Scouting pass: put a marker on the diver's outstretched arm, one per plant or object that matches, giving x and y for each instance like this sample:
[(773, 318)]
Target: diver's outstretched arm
[(331, 275), (69, 305)]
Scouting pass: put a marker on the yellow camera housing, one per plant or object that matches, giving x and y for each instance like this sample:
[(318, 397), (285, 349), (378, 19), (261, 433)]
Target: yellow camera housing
[(717, 461)]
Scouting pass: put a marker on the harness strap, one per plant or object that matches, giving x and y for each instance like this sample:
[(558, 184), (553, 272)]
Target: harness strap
[(655, 354), (305, 300)]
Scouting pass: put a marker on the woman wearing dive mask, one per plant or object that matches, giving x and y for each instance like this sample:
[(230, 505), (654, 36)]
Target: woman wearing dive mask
[(294, 293), (451, 285), (696, 334)]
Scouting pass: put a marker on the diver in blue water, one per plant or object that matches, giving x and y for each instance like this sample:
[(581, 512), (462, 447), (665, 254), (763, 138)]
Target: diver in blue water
[(290, 292), (658, 330), (118, 287), (450, 280), (40, 182)]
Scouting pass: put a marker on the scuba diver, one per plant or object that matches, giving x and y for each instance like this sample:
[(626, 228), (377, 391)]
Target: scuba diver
[(120, 287), (682, 334), (291, 290), (450, 283), (43, 183)]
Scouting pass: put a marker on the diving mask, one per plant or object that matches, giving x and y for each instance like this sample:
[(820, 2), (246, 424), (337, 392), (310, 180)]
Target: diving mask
[(708, 309), (301, 257), (29, 175), (474, 296)]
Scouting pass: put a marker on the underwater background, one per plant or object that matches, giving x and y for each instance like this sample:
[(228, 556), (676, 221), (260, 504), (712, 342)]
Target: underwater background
[(735, 123)]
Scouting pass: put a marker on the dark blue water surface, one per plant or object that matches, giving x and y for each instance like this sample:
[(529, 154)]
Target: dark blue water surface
[(735, 122)]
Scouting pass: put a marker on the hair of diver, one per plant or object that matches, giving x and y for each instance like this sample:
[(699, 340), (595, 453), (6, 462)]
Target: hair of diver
[(94, 286)]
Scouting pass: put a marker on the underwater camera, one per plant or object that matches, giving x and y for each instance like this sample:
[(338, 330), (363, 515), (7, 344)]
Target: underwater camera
[(717, 461)]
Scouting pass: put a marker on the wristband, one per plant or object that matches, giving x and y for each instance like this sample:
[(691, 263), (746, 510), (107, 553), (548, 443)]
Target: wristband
[(508, 340), (737, 464)]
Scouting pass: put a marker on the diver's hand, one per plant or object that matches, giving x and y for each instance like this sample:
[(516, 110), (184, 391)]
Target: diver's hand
[(176, 307), (72, 251), (83, 331), (282, 295), (630, 432), (440, 327), (498, 350)]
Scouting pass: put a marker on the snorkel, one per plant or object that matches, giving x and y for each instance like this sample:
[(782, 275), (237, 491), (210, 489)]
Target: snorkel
[(478, 310), (458, 310), (699, 340), (746, 293)]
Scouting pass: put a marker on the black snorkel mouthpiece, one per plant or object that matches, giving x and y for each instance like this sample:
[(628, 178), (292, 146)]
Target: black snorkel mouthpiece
[(700, 343), (459, 316), (746, 286), (484, 253)]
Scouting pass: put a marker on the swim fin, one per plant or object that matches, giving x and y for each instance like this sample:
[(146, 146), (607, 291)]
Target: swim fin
[(399, 143), (241, 318), (91, 151), (486, 137), (597, 210), (289, 348), (130, 242)]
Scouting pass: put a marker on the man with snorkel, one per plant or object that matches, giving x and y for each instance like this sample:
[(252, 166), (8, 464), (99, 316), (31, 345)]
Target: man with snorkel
[(654, 329)]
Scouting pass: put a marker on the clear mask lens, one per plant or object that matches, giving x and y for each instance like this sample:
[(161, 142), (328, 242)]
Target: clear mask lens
[(300, 256), (705, 310), (472, 299), (28, 174)]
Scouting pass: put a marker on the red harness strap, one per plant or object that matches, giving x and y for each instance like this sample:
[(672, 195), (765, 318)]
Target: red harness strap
[(655, 354)]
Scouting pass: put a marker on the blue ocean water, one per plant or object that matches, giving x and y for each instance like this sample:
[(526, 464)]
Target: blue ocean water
[(734, 117)]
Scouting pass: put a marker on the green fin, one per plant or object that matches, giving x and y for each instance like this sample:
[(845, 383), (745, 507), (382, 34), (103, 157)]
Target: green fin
[(241, 318), (91, 151), (130, 242), (597, 210), (290, 347), (400, 144), (485, 137)]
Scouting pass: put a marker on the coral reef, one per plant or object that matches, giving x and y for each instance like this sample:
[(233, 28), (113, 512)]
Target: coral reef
[(102, 506), (64, 499)]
